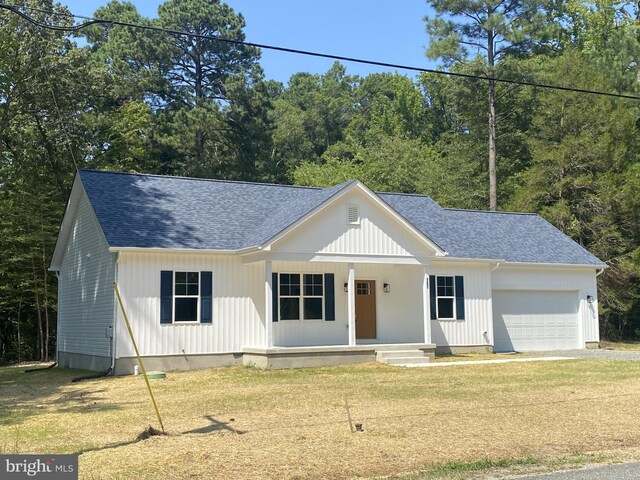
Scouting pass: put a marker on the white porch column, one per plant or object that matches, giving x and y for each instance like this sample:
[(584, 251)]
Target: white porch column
[(426, 305), (351, 303), (268, 302)]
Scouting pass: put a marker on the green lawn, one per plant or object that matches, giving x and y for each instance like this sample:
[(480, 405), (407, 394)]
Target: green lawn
[(246, 423)]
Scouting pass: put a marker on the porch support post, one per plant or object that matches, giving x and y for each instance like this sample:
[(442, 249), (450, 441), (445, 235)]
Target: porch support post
[(268, 302), (351, 304), (426, 305)]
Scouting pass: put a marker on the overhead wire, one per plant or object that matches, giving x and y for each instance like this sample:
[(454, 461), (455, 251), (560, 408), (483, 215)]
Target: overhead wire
[(89, 21)]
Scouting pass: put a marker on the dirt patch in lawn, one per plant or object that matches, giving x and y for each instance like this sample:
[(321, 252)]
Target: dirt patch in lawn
[(247, 423)]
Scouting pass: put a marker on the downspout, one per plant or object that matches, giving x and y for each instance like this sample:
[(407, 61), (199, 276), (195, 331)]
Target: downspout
[(495, 267), (58, 315), (600, 272)]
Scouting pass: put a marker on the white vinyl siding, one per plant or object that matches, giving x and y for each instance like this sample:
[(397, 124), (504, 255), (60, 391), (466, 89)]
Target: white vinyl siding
[(85, 304), (237, 304), (477, 327)]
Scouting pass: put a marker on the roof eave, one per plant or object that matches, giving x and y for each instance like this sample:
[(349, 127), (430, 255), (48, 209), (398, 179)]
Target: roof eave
[(200, 251)]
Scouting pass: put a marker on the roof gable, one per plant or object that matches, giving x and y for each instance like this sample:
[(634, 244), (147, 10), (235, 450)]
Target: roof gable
[(382, 231)]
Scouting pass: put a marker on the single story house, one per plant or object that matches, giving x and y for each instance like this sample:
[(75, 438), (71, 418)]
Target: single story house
[(217, 272)]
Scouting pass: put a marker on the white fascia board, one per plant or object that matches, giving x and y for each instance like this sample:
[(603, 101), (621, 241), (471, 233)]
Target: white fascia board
[(335, 258), (447, 259), (357, 184), (504, 264), (552, 265), (192, 251)]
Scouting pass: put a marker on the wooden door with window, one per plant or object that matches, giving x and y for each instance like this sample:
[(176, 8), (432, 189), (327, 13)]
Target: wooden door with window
[(365, 309)]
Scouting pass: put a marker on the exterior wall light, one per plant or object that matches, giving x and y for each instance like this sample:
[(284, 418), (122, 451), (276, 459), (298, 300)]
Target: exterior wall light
[(346, 287), (589, 299), (386, 287)]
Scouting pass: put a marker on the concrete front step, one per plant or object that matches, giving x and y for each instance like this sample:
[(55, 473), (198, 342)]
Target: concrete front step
[(402, 357), (399, 353), (406, 360)]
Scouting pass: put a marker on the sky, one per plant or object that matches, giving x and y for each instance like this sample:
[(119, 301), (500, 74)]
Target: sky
[(385, 31)]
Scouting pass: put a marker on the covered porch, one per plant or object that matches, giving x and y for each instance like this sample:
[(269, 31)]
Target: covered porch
[(328, 312), (323, 356)]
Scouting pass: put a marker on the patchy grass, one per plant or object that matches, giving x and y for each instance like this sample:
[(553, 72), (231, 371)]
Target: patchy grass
[(241, 422), (620, 345)]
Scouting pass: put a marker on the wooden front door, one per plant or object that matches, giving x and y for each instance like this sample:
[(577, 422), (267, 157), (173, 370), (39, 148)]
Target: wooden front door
[(365, 309)]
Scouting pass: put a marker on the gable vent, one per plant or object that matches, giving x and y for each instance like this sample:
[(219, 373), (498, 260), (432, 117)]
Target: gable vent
[(353, 214)]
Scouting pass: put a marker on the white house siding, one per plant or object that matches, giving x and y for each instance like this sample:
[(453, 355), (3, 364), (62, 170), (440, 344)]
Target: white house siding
[(289, 333), (477, 327), (238, 300), (328, 232), (559, 279), (85, 301), (398, 313)]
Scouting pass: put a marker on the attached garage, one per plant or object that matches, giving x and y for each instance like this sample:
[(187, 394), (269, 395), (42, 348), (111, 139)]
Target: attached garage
[(535, 320)]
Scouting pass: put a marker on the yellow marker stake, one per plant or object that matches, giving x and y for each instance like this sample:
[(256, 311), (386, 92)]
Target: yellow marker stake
[(135, 347)]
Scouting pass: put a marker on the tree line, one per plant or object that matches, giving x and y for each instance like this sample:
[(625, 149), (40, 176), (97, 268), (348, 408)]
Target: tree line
[(118, 98)]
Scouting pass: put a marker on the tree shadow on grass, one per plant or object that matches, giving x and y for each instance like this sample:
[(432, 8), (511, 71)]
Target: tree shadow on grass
[(27, 395)]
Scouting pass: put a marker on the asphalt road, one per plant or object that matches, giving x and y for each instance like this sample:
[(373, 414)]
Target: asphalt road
[(623, 471)]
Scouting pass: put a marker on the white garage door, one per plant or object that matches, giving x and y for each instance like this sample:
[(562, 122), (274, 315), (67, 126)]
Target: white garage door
[(534, 320)]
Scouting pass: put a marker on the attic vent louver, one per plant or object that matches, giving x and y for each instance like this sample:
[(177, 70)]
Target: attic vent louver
[(353, 214)]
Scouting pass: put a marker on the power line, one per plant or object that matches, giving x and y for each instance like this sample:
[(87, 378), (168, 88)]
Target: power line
[(95, 21)]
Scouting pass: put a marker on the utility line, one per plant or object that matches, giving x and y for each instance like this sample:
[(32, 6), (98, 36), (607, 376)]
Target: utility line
[(94, 21)]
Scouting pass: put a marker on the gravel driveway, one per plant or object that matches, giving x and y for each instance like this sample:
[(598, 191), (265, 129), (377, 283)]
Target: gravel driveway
[(602, 353)]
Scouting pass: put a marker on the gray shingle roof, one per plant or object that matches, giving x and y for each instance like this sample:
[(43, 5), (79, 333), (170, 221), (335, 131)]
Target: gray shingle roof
[(152, 211)]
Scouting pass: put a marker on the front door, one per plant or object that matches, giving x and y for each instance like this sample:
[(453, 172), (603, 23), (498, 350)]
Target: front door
[(365, 309)]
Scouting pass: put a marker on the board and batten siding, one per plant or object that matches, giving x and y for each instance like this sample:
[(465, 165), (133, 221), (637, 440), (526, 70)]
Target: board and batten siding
[(238, 303), (398, 313), (328, 232), (582, 281), (477, 327), (86, 301)]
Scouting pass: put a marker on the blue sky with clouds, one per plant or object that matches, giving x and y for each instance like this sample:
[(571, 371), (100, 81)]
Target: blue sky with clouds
[(380, 30)]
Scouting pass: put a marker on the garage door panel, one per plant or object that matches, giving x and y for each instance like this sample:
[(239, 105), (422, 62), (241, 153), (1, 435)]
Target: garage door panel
[(535, 320)]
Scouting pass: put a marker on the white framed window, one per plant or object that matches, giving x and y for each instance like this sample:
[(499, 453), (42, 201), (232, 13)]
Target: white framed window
[(186, 297), (445, 298), (301, 296)]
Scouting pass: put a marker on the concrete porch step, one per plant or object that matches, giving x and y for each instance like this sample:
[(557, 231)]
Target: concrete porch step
[(406, 360), (402, 357), (399, 353)]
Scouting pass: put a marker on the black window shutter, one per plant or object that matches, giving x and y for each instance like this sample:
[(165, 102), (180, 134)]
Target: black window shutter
[(329, 298), (206, 297), (459, 298), (432, 295), (166, 296), (274, 297)]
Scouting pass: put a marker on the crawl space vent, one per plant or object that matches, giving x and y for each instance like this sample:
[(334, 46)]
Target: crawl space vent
[(353, 214)]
